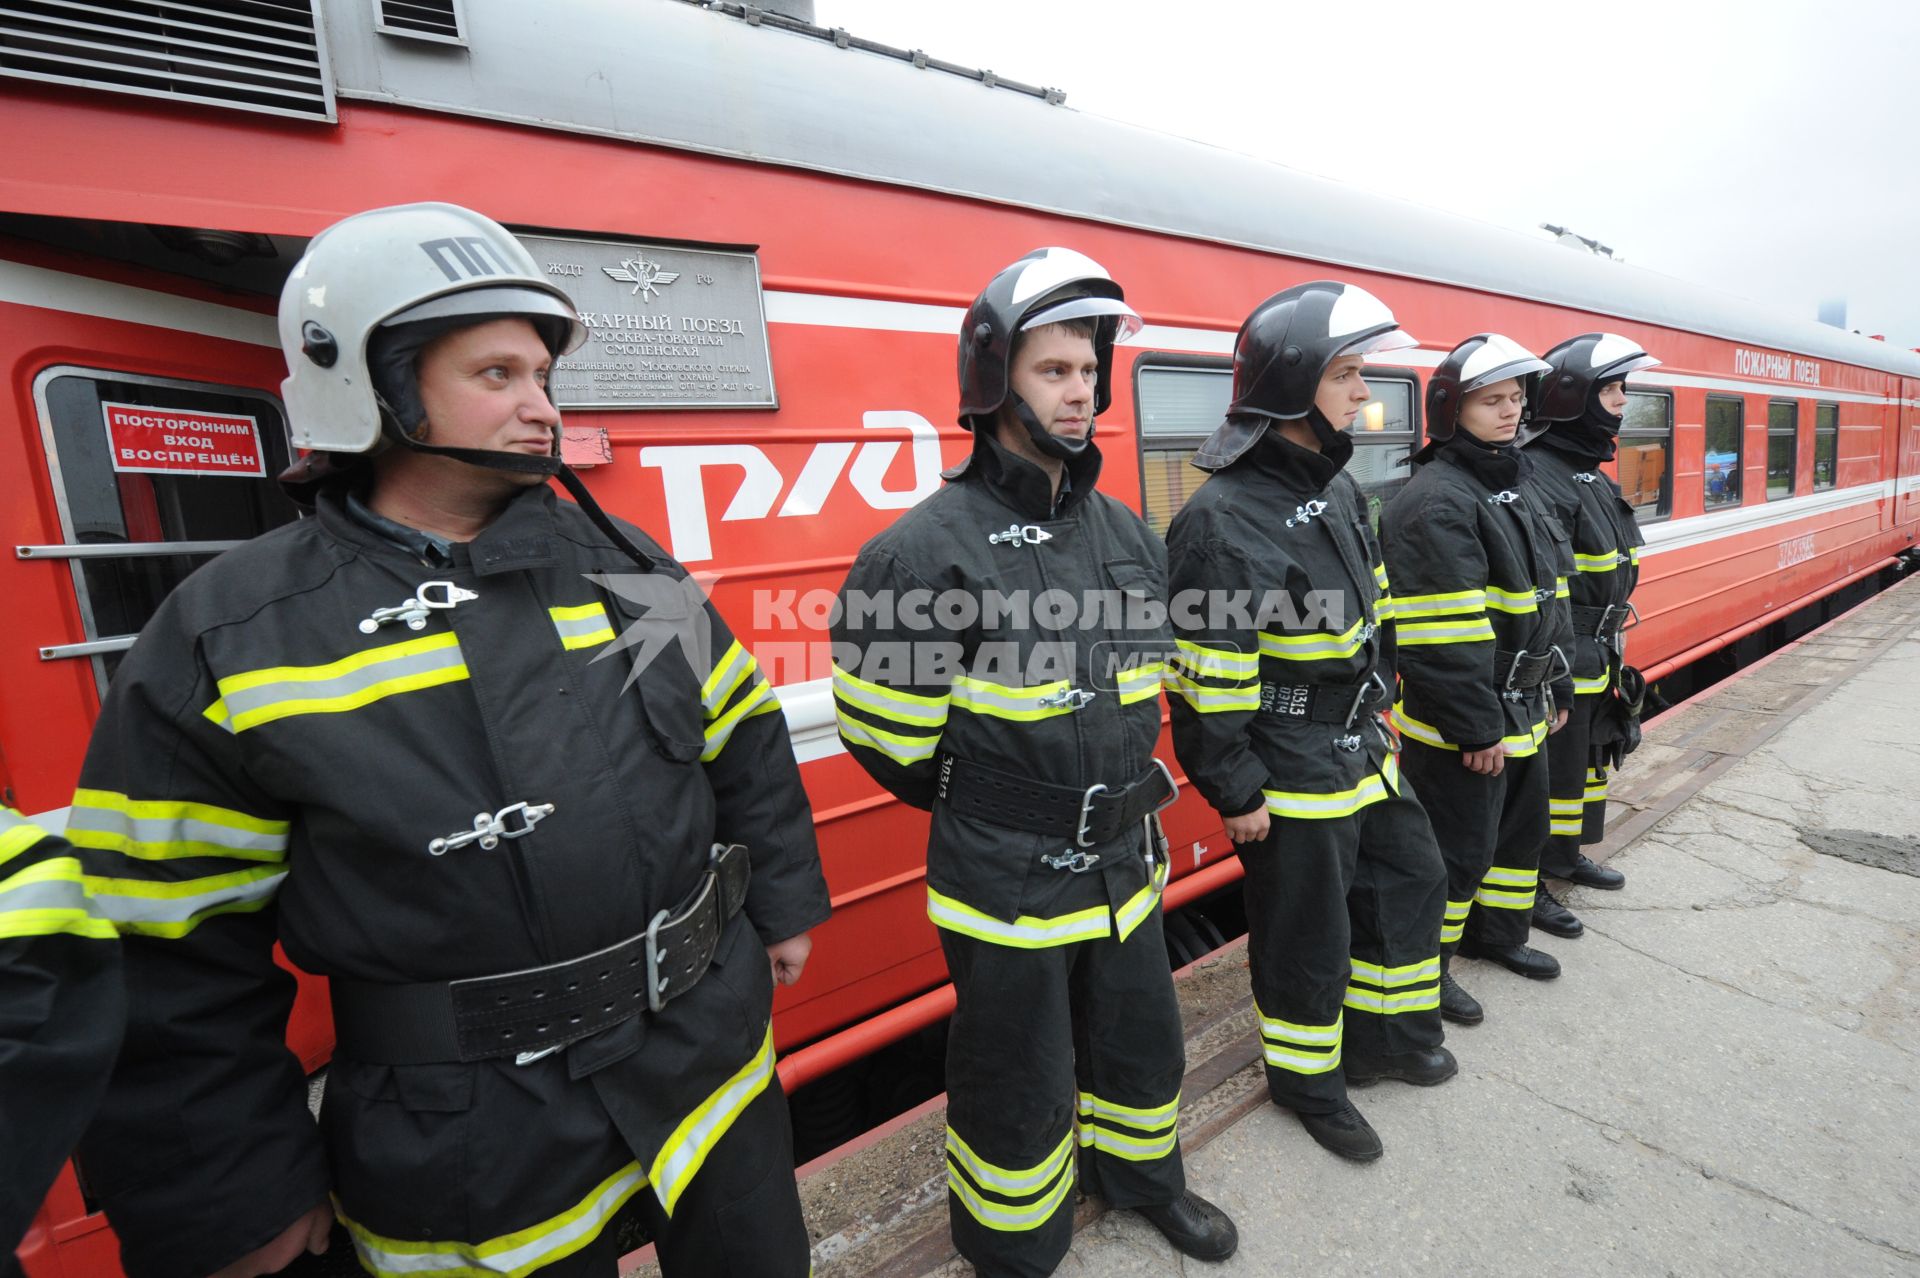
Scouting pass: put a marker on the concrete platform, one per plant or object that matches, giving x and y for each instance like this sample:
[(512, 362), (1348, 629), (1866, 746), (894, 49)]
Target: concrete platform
[(1726, 1079)]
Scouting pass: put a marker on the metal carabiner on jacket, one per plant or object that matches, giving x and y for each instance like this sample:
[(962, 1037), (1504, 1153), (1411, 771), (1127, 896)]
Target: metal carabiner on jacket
[(1307, 513), (1072, 862), (1066, 699), (1505, 497), (1370, 686), (489, 828), (429, 597), (1020, 535), (1586, 477), (1387, 737)]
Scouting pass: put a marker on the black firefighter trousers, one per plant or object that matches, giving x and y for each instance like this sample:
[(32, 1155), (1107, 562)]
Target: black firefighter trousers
[(1068, 1050), (1490, 830), (1343, 921), (1577, 790)]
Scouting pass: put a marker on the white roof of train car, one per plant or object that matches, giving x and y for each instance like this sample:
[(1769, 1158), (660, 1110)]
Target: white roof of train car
[(677, 75)]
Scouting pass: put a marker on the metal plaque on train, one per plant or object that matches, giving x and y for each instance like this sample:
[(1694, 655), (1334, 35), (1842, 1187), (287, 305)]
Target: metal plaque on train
[(666, 327)]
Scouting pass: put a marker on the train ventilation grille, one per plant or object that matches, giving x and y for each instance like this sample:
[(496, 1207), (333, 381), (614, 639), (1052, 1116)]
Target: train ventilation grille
[(437, 20), (252, 55)]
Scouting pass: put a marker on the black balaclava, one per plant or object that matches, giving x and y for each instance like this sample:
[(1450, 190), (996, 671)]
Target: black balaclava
[(1590, 437), (1336, 445)]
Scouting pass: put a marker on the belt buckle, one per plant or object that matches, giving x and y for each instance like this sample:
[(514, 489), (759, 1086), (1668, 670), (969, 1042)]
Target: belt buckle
[(1080, 832), (657, 984), (1360, 697)]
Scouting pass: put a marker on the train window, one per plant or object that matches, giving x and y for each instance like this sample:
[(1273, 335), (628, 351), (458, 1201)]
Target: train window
[(1182, 398), (1645, 459), (1720, 472), (1783, 447), (1826, 446), (154, 477)]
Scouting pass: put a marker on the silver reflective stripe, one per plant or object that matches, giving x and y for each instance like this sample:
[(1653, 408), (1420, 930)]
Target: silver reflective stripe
[(900, 749), (1001, 1180), (134, 903), (46, 894), (982, 697), (583, 631), (246, 700), (694, 1139), (154, 836), (869, 698)]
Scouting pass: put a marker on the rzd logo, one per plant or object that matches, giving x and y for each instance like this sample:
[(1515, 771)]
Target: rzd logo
[(689, 532)]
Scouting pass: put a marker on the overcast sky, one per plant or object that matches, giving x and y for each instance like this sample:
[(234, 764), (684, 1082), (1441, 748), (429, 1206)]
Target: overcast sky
[(1770, 148)]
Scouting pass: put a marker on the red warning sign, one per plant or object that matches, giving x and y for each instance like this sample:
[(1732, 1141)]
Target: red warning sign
[(175, 441)]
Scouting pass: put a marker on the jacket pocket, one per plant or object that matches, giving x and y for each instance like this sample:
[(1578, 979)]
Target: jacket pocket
[(397, 1137), (664, 682)]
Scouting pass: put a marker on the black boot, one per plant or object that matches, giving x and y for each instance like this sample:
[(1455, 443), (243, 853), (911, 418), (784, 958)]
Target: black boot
[(1345, 1132), (1194, 1226), (1549, 915), (1590, 873), (1521, 960), (1456, 1004), (1423, 1068)]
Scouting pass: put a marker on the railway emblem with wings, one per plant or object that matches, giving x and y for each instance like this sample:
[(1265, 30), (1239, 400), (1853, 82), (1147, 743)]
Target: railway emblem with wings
[(646, 277)]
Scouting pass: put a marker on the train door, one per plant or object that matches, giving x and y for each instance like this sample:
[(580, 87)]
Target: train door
[(1906, 502)]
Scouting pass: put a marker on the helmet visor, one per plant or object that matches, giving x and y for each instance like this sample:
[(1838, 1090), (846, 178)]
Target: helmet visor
[(1618, 372), (1088, 308), (1393, 339)]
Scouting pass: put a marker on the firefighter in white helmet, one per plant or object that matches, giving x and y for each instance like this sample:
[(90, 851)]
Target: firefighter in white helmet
[(546, 1013)]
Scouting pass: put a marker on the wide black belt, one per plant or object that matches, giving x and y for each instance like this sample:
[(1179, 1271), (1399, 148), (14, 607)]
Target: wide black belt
[(1601, 623), (529, 1013), (1523, 670), (1095, 814), (1335, 703)]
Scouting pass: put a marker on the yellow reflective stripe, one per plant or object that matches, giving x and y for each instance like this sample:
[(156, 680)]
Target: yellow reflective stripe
[(728, 673), (1316, 645), (582, 625), (1605, 562), (1596, 791), (1380, 576), (902, 750), (1510, 877), (1562, 825), (1384, 608), (1505, 888), (1006, 701), (139, 907), (1026, 932), (1135, 1149), (1361, 999), (1564, 807), (169, 829), (1501, 900), (17, 834), (1010, 1182), (1463, 630), (1517, 602), (1564, 816), (1279, 1038), (511, 1255), (1633, 555), (908, 709), (1395, 977), (1148, 1118), (1217, 663), (1454, 921), (1308, 806), (1560, 590), (1525, 743), (1141, 682), (1209, 700), (50, 897), (1440, 605), (759, 701), (1588, 687), (1005, 1219), (262, 696), (686, 1150), (1138, 906)]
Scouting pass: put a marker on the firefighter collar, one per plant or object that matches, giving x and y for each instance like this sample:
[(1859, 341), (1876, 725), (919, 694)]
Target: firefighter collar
[(1299, 470), (424, 546), (1022, 486), (522, 537), (1495, 467)]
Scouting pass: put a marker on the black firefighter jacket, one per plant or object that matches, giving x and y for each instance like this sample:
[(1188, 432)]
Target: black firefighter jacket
[(1606, 547), (273, 761), (1051, 672), (1287, 529), (61, 1014), (1479, 570)]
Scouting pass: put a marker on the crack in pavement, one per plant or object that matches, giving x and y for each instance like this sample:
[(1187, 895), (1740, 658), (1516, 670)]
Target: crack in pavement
[(1702, 1170)]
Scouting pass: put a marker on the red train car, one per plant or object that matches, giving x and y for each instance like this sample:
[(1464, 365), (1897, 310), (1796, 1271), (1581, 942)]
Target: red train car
[(159, 177)]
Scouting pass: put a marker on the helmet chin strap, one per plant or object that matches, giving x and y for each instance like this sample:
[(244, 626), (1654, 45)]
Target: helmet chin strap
[(1043, 439), (549, 466)]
